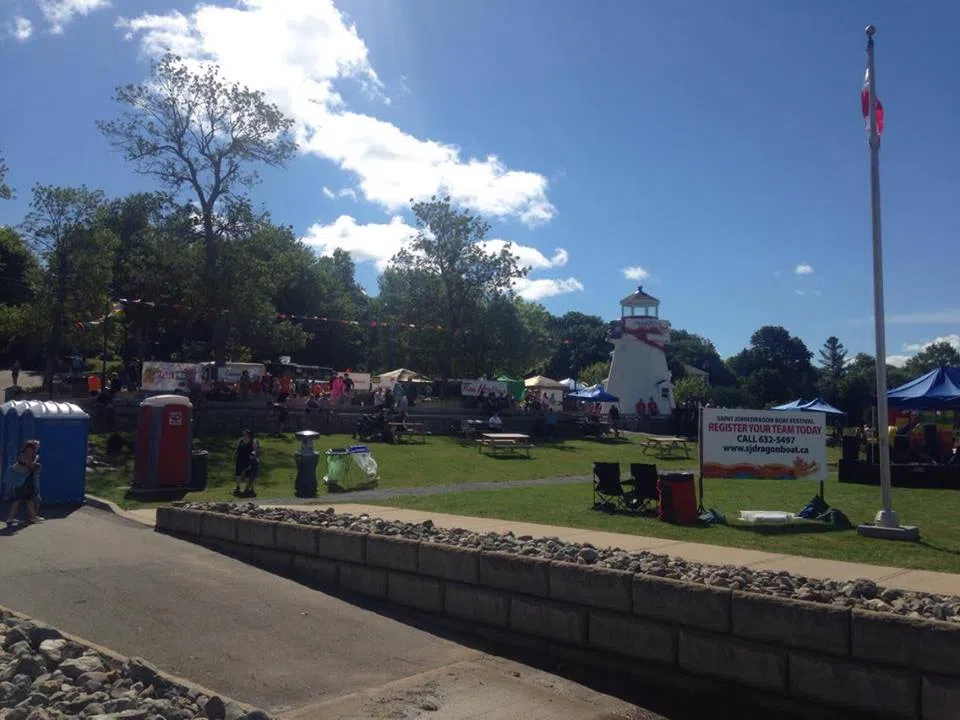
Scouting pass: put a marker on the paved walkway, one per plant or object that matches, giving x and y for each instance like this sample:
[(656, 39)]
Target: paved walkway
[(918, 580), (263, 639)]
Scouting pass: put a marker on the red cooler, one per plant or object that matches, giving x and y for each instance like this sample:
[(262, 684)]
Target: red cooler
[(164, 443)]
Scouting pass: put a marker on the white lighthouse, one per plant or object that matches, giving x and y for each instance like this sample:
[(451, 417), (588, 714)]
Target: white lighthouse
[(638, 366)]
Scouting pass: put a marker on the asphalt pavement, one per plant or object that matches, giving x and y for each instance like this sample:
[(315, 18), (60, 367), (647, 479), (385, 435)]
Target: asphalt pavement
[(259, 638)]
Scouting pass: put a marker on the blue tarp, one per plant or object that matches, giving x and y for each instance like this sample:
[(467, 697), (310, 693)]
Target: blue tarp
[(594, 395), (937, 390)]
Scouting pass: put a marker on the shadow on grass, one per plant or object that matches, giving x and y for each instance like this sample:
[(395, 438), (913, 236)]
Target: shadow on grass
[(807, 528), (333, 489), (937, 547)]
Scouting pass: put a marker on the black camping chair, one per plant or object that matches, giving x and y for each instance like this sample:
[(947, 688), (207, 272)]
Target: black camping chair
[(608, 492), (643, 477)]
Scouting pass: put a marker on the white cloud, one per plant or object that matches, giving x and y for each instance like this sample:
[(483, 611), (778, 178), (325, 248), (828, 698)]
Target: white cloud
[(818, 293), (60, 13), (372, 242), (344, 193), (22, 29), (952, 340), (803, 269), (911, 349), (529, 256), (635, 272), (540, 288), (305, 47), (800, 292)]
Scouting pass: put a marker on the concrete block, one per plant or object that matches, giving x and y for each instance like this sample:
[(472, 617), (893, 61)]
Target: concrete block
[(257, 533), (488, 607), (515, 572), (164, 521), (683, 603), (742, 661), (590, 586), (450, 563), (629, 635), (337, 544), (300, 539), (364, 580), (186, 522), (916, 644), (315, 571), (548, 619), (218, 526), (842, 683), (275, 561), (415, 591), (396, 553), (793, 623), (939, 698)]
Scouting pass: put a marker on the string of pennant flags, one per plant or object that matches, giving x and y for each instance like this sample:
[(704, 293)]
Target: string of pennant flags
[(117, 307)]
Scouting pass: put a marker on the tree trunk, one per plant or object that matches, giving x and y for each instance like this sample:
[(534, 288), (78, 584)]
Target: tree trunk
[(219, 328)]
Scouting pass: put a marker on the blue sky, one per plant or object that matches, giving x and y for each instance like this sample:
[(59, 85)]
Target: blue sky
[(713, 150)]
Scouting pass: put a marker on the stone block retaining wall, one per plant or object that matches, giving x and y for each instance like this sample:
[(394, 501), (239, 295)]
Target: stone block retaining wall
[(800, 654)]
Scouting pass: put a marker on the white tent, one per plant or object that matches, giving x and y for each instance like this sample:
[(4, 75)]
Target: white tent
[(539, 382), (402, 375), (572, 385)]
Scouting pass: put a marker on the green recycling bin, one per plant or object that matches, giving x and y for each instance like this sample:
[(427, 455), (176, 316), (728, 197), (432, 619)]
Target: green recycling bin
[(337, 467)]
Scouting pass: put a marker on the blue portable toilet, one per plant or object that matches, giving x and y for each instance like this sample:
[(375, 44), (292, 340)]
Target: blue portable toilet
[(10, 430), (62, 429)]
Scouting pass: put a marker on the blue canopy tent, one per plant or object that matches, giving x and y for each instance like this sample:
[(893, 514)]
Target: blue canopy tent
[(597, 394), (937, 390), (794, 405), (821, 405)]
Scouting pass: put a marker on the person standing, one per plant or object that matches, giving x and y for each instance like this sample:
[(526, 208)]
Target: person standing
[(21, 478), (247, 465), (15, 373)]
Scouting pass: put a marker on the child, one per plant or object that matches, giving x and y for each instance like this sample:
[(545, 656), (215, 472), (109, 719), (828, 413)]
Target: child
[(22, 478)]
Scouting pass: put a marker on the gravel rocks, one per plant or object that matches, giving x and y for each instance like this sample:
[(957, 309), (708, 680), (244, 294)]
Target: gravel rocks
[(861, 593), (44, 676)]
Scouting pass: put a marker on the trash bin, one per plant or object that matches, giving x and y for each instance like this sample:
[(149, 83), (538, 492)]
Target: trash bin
[(364, 460), (306, 459), (678, 498), (199, 461), (337, 460)]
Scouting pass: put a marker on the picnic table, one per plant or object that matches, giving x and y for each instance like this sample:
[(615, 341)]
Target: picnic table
[(414, 432), (664, 446), (504, 443)]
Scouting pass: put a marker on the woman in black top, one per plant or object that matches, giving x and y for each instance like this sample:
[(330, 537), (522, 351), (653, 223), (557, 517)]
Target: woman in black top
[(248, 464)]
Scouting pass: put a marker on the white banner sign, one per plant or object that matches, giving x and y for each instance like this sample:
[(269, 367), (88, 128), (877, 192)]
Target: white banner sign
[(771, 444), (472, 388), (168, 377), (231, 373)]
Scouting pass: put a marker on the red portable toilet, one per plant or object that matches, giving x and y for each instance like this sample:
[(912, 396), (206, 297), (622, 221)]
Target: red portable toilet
[(164, 443)]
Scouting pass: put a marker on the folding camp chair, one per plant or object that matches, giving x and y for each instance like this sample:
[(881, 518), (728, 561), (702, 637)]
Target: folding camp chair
[(643, 477), (608, 492)]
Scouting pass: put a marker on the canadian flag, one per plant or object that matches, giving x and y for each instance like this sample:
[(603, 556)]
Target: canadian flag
[(865, 104)]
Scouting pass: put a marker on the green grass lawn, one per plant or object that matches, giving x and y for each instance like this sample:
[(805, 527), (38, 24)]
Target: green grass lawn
[(935, 511), (441, 461)]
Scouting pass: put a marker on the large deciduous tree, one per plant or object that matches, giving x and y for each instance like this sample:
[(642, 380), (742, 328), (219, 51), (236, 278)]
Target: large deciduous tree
[(62, 227), (198, 133), (448, 253), (775, 367), (579, 341), (931, 357), (686, 348)]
